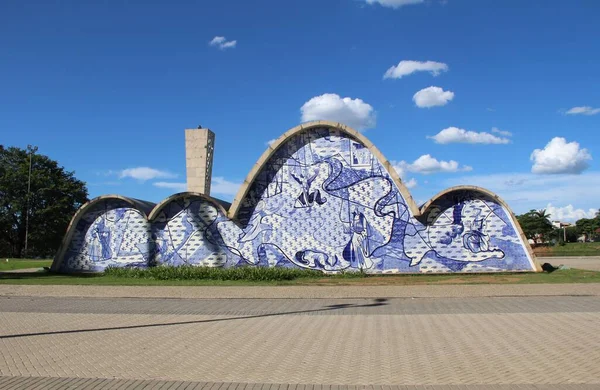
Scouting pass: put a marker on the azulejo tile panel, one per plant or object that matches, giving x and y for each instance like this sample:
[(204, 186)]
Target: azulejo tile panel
[(321, 201)]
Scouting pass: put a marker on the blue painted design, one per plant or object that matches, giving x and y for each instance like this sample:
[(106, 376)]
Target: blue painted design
[(322, 201)]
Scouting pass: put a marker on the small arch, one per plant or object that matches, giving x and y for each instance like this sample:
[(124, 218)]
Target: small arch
[(425, 209), (142, 206), (167, 251), (220, 205), (264, 158)]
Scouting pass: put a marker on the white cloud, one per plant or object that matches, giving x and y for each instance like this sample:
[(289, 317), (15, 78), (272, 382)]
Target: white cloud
[(222, 43), (179, 187), (217, 41), (352, 112), (400, 169), (145, 173), (569, 213), (219, 185), (584, 110), (432, 97), (501, 132), (455, 135), (411, 183), (526, 191), (407, 67), (427, 164), (394, 3), (271, 141), (560, 156)]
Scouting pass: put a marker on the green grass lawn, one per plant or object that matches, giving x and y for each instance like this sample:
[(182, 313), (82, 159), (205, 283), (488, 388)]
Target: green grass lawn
[(570, 249), (559, 276), (14, 264)]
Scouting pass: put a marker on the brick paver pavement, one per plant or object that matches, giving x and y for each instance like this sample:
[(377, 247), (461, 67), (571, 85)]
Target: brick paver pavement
[(483, 342), (132, 384)]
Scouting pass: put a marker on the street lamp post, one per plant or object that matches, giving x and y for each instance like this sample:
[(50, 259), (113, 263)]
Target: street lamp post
[(31, 151)]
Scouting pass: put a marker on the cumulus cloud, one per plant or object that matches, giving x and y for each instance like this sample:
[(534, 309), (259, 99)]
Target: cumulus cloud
[(569, 213), (271, 141), (501, 132), (219, 185), (400, 167), (411, 183), (405, 68), (179, 187), (145, 173), (584, 110), (427, 164), (432, 97), (560, 156), (222, 43), (394, 3), (455, 135), (352, 112)]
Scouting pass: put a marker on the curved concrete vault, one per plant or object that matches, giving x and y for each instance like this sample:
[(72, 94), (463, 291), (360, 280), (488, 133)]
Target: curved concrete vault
[(322, 197)]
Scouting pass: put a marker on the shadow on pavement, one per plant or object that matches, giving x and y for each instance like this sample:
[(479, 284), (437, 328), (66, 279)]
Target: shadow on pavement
[(375, 303)]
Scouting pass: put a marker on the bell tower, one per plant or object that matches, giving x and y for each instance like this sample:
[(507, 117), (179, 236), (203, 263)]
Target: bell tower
[(199, 148)]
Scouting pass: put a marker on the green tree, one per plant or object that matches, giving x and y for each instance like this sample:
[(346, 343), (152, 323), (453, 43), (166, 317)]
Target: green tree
[(42, 206), (536, 223), (588, 226), (572, 233)]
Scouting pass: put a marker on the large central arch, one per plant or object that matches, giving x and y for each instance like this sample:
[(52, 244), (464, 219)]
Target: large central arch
[(274, 146)]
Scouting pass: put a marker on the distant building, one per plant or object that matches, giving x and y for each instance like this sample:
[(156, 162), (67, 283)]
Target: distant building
[(559, 225)]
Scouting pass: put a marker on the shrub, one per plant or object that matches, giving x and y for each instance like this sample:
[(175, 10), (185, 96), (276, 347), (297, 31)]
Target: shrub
[(189, 272)]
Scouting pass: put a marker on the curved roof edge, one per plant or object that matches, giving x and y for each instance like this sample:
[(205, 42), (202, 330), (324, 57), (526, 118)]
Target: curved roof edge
[(219, 204), (140, 205), (243, 191), (500, 201)]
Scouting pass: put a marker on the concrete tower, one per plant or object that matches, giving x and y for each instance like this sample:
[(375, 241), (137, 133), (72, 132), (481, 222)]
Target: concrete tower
[(199, 147)]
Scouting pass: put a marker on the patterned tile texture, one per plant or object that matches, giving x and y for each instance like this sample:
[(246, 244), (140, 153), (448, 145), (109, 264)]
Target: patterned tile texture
[(322, 201)]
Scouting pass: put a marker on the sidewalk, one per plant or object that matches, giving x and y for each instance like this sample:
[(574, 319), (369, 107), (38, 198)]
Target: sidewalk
[(297, 292)]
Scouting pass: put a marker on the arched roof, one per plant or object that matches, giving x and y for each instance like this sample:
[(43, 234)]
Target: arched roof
[(425, 208), (140, 205), (158, 208), (262, 161), (416, 211)]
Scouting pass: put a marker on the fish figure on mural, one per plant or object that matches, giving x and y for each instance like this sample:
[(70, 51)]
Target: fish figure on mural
[(460, 233)]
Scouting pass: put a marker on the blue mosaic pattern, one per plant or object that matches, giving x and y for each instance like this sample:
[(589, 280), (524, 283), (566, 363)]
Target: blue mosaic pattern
[(184, 234), (111, 233), (322, 201)]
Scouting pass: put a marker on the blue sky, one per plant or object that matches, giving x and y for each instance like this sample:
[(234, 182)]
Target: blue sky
[(106, 87)]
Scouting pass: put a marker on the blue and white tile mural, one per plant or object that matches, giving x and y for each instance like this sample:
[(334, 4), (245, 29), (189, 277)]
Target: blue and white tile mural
[(322, 201), (110, 232)]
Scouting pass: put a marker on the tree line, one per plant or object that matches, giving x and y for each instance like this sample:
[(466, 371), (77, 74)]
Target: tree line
[(38, 198), (537, 226)]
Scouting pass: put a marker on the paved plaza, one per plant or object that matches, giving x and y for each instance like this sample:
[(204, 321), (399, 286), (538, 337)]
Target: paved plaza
[(591, 263), (511, 336)]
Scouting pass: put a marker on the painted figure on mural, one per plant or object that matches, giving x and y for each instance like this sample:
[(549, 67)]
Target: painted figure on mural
[(100, 248), (357, 252), (475, 240)]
